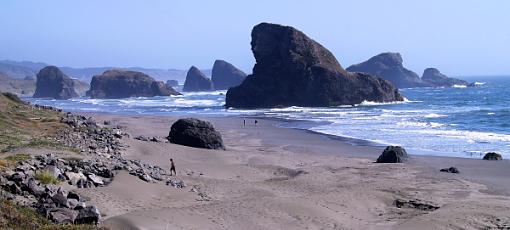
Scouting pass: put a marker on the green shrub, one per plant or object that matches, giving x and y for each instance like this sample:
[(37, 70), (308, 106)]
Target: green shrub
[(46, 177)]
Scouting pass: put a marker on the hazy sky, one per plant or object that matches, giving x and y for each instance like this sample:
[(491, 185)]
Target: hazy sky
[(459, 37)]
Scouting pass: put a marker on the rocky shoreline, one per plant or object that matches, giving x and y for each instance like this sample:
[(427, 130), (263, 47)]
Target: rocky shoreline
[(98, 161)]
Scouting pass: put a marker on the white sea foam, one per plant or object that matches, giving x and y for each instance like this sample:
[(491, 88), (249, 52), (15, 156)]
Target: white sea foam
[(459, 86), (434, 115)]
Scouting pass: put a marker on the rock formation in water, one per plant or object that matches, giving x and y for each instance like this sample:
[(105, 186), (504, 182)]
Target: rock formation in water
[(124, 84), (195, 133), (293, 70), (172, 83), (197, 81), (226, 75), (433, 77), (52, 83), (389, 66)]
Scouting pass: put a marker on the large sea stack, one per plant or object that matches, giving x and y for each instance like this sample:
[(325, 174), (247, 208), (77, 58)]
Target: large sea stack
[(226, 75), (390, 67), (53, 83), (197, 81), (124, 84), (293, 70), (435, 78)]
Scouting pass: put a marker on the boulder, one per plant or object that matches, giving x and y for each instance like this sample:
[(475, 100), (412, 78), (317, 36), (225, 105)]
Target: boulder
[(435, 78), (124, 84), (390, 67), (197, 81), (293, 70), (492, 156), (62, 215), (95, 179), (450, 170), (195, 133), (53, 83), (226, 75), (172, 83), (88, 215), (73, 177), (393, 154)]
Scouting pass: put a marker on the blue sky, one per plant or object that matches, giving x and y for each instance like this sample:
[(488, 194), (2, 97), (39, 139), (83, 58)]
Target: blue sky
[(459, 37)]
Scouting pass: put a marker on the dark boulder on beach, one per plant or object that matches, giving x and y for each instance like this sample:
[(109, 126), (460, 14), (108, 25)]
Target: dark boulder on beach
[(53, 83), (226, 75), (390, 67), (124, 84), (197, 81), (172, 83), (433, 77), (293, 70), (195, 133), (393, 154), (492, 156), (450, 170)]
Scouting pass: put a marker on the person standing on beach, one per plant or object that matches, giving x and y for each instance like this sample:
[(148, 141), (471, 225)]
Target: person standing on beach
[(244, 122), (172, 167), (256, 122)]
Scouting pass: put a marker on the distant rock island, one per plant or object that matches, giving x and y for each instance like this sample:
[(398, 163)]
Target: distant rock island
[(293, 70), (390, 67), (197, 81), (433, 77), (172, 83), (124, 84), (226, 75), (52, 83)]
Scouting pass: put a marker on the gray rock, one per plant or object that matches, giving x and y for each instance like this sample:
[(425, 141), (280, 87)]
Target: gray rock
[(450, 170), (53, 170), (88, 215), (433, 77), (95, 179), (226, 75), (63, 215), (393, 154), (73, 177)]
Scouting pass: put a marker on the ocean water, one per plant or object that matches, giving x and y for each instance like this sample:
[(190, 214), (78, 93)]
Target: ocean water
[(458, 121)]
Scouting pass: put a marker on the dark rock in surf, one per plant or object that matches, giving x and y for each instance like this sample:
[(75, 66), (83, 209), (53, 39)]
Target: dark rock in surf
[(195, 133), (393, 154), (435, 78), (390, 67), (492, 156), (197, 81), (124, 84), (226, 75), (293, 70), (53, 83)]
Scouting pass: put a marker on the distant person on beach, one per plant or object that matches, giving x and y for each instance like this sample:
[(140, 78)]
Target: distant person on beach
[(172, 167), (244, 122), (256, 122)]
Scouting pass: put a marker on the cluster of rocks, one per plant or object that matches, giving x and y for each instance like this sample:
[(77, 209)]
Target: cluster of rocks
[(54, 201), (450, 170), (293, 70), (224, 76), (88, 136), (390, 67), (152, 139)]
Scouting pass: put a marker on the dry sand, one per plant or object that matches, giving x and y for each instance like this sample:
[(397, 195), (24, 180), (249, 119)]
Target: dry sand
[(278, 178)]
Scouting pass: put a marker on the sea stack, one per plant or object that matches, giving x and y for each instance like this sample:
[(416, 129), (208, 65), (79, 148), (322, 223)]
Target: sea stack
[(226, 75), (390, 67), (197, 81), (293, 70), (124, 84), (53, 83), (435, 78)]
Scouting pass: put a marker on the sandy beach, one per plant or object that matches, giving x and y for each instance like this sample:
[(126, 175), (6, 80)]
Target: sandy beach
[(279, 178)]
